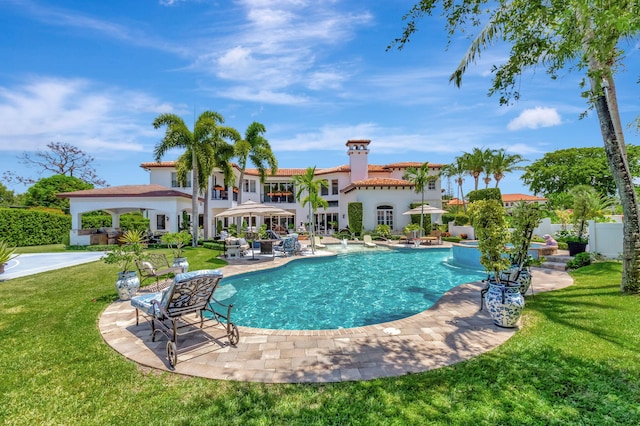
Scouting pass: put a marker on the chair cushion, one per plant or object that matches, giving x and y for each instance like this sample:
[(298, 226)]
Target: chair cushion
[(148, 268), (144, 302)]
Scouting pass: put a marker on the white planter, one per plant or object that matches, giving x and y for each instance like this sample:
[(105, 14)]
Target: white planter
[(505, 304), (127, 284), (182, 263)]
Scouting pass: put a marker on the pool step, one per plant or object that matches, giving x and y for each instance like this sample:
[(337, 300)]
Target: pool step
[(556, 262)]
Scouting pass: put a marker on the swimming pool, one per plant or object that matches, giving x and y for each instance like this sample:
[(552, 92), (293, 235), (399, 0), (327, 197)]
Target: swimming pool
[(347, 290)]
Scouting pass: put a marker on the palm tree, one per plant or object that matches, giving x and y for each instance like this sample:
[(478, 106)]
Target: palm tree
[(217, 154), (419, 178), (309, 184), (488, 155), (198, 144), (255, 148), (475, 163), (456, 170), (504, 163)]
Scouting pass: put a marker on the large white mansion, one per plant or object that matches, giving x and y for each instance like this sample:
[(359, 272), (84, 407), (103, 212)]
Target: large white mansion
[(384, 195)]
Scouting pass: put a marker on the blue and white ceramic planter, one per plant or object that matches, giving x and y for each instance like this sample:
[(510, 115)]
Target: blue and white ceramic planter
[(127, 285), (182, 263), (505, 304), (524, 278)]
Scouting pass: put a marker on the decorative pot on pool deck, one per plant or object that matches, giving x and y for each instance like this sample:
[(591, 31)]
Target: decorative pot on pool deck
[(505, 303), (181, 262)]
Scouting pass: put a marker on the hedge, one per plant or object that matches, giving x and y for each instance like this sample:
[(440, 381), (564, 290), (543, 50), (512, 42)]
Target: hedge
[(355, 217), (485, 194), (20, 227)]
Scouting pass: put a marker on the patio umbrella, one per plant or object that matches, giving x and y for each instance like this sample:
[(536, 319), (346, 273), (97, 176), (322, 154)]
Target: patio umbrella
[(252, 208), (426, 209)]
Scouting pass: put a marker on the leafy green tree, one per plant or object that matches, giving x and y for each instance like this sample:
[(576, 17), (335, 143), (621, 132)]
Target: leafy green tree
[(7, 197), (255, 148), (43, 193), (420, 178), (583, 35), (198, 145), (307, 183), (558, 171)]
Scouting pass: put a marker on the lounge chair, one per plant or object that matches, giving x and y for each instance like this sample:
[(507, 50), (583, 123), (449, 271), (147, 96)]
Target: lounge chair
[(190, 293), (286, 247), (317, 242), (368, 242), (155, 267)]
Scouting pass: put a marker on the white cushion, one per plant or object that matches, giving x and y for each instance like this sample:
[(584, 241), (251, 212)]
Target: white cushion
[(148, 268)]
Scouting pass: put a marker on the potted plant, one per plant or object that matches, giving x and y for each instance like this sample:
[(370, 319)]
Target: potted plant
[(524, 219), (125, 255), (587, 205), (176, 242), (503, 299), (6, 254)]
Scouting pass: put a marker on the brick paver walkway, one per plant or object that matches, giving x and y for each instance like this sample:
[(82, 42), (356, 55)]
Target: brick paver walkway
[(451, 331)]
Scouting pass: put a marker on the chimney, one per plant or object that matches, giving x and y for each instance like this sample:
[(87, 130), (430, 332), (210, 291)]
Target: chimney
[(357, 150)]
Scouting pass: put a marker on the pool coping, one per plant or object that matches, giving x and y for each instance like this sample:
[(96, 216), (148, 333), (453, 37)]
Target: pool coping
[(452, 330)]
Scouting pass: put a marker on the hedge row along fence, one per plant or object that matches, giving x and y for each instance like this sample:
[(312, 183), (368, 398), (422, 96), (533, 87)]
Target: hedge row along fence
[(20, 227)]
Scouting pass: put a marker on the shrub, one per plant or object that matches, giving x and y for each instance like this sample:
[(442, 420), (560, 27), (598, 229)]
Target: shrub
[(382, 232), (461, 219), (485, 194), (580, 260), (448, 217), (20, 227), (355, 217)]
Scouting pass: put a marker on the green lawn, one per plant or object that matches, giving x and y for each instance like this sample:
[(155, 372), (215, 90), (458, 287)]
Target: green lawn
[(576, 360)]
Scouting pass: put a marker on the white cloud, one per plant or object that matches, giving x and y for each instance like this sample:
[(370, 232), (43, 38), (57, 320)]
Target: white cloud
[(535, 118), (78, 112)]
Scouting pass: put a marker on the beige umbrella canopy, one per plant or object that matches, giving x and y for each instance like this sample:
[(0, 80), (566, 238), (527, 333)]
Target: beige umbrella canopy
[(426, 209), (252, 208)]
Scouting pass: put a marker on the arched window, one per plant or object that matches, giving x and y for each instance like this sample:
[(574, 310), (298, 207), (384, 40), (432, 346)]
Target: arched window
[(385, 215)]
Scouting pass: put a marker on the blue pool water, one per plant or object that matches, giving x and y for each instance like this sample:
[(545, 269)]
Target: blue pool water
[(347, 290)]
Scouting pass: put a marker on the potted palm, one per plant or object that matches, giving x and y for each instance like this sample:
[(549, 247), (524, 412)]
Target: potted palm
[(503, 298), (587, 205), (6, 254), (176, 242), (124, 255)]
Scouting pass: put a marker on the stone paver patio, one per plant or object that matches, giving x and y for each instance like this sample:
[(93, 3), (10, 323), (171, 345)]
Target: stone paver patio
[(451, 331)]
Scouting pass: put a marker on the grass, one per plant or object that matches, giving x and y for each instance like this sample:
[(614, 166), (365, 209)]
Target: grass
[(574, 361)]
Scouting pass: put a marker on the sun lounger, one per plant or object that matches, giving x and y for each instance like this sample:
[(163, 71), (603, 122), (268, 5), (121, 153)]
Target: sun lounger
[(190, 293), (368, 242)]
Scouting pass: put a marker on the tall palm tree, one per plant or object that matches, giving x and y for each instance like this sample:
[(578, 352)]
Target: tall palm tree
[(504, 163), (256, 149), (488, 155), (475, 163), (216, 154), (456, 170), (419, 178), (307, 183), (197, 144)]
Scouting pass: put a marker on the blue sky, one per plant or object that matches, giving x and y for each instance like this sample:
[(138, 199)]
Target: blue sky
[(314, 72)]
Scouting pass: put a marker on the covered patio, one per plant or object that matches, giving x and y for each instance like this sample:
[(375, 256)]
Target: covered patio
[(163, 206)]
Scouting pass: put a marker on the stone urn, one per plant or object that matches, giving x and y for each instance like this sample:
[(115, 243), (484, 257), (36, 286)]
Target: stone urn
[(505, 303), (127, 284), (182, 263)]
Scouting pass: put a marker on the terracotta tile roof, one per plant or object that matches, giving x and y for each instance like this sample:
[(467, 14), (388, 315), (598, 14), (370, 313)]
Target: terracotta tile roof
[(125, 191), (405, 164), (377, 182), (360, 141), (455, 202), (150, 164), (510, 198)]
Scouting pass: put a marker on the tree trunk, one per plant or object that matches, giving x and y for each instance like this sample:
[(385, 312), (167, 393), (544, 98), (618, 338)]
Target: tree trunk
[(194, 200), (617, 159)]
